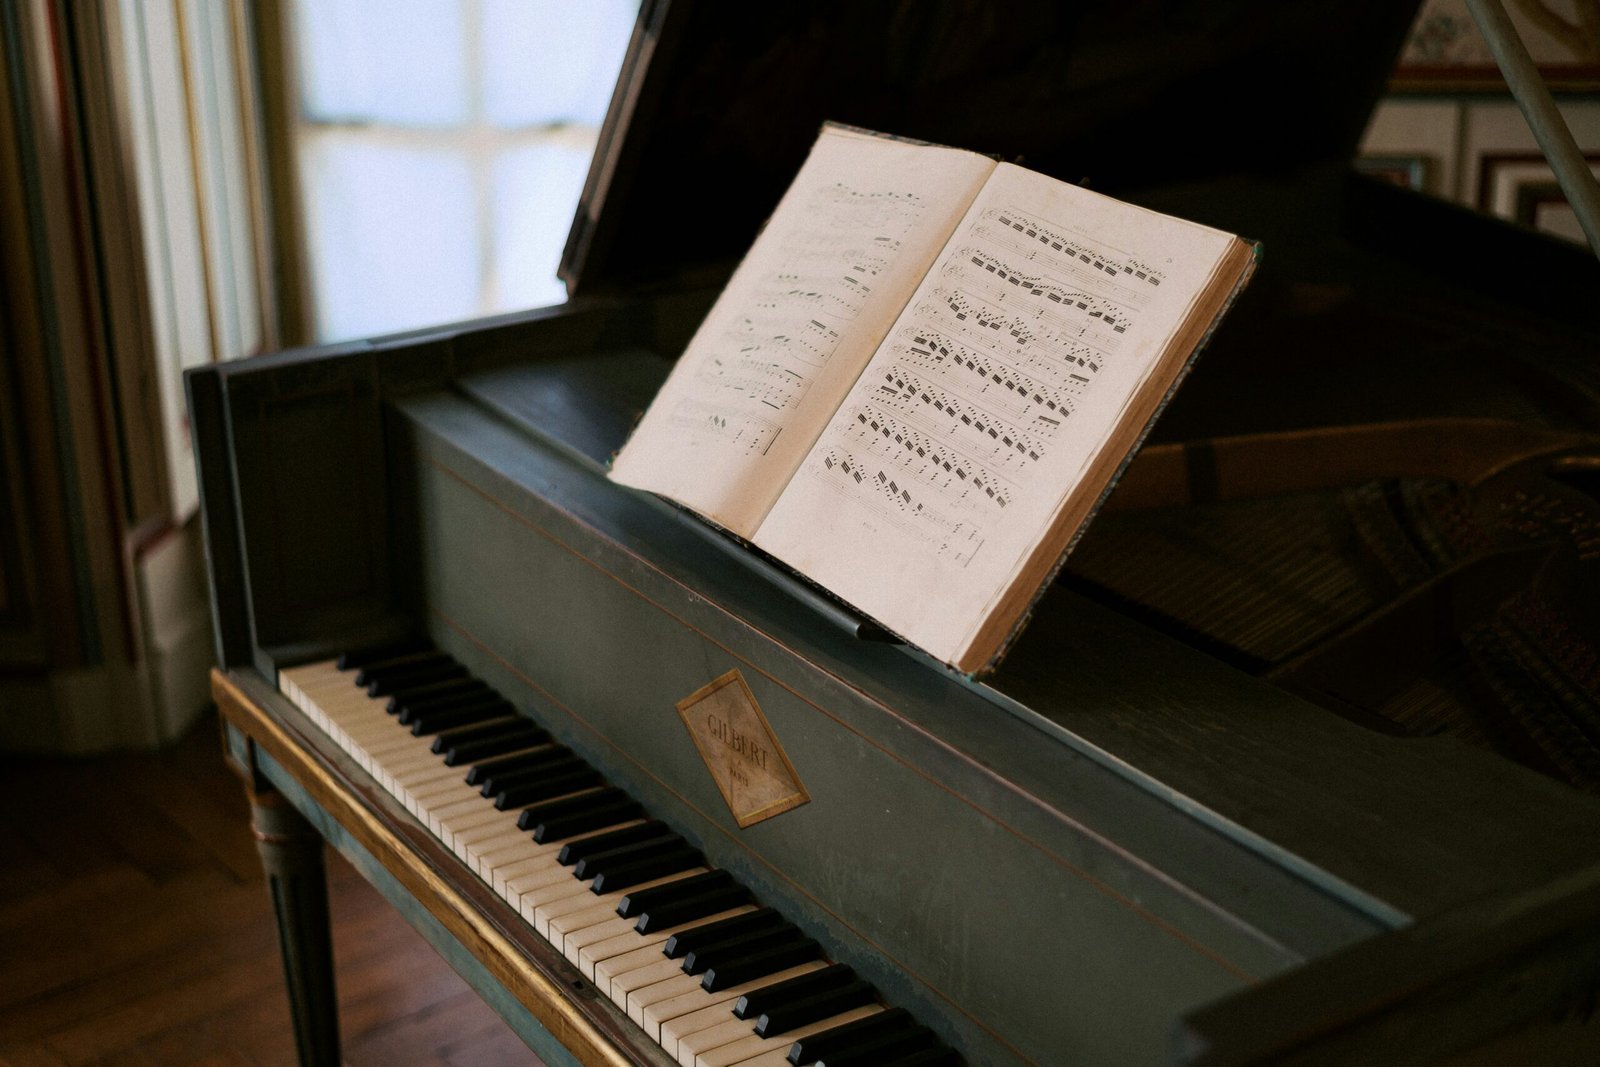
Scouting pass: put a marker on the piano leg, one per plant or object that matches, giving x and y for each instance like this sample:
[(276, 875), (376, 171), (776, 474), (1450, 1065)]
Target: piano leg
[(291, 852)]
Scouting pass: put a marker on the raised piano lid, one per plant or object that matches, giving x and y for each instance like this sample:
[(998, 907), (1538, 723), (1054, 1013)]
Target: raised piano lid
[(719, 102)]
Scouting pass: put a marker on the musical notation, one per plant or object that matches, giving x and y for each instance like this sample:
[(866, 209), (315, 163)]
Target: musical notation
[(740, 432), (774, 339), (1091, 304), (762, 363), (950, 470), (764, 381), (1049, 236), (838, 298), (896, 505), (983, 376), (1019, 396), (979, 431), (830, 268)]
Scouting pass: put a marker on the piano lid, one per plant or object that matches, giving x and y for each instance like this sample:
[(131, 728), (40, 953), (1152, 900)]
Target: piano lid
[(719, 101)]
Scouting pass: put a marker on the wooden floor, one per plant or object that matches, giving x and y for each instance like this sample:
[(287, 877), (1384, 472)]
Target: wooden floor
[(135, 928)]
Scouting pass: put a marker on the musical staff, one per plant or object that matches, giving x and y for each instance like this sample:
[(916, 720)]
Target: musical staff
[(979, 431), (923, 520), (775, 339), (1019, 396), (1096, 256), (702, 423), (974, 389), (764, 381), (762, 363), (1092, 304), (947, 469), (759, 365)]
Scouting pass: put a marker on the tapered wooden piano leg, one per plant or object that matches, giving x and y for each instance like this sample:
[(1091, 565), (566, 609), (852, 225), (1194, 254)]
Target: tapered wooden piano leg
[(291, 852)]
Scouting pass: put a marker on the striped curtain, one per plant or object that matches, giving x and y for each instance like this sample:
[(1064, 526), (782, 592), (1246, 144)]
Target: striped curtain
[(133, 244)]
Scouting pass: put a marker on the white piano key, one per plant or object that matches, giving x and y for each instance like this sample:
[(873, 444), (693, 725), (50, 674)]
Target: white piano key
[(605, 940), (506, 873), (691, 1010), (778, 1057), (559, 918), (509, 835), (556, 907), (521, 847), (543, 896), (645, 970)]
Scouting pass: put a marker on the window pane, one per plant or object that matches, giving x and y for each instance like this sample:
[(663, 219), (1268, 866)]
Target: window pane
[(393, 235), (552, 61), (535, 194), (393, 61)]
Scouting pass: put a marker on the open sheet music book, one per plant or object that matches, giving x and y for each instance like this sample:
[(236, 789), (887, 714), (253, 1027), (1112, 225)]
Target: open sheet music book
[(924, 377)]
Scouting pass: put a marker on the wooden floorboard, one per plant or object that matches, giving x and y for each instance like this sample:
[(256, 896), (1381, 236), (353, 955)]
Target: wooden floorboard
[(135, 929)]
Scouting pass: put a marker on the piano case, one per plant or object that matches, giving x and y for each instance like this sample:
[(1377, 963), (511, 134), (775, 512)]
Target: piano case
[(1225, 802)]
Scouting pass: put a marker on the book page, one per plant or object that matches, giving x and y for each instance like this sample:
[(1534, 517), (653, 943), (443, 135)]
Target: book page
[(862, 222), (993, 394)]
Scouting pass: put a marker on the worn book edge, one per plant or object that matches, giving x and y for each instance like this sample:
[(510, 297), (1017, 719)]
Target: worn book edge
[(975, 671)]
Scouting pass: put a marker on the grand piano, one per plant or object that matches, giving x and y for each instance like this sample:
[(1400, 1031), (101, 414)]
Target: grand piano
[(1295, 762)]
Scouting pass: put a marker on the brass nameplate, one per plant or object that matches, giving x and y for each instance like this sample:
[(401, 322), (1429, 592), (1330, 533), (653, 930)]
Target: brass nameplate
[(745, 760)]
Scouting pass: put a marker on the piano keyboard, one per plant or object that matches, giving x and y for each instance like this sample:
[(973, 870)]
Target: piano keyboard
[(708, 973)]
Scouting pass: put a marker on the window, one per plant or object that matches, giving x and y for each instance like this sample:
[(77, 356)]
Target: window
[(442, 146)]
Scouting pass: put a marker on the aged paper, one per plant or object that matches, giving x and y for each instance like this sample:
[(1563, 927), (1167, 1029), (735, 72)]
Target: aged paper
[(809, 304), (992, 395)]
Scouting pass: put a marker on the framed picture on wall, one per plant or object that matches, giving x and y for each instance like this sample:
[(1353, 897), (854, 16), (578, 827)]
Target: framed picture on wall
[(1406, 171), (1446, 53), (1521, 186)]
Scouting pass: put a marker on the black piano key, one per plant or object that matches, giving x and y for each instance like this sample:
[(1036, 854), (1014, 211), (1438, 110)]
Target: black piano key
[(782, 1018), (517, 735), (400, 665), (434, 722), (662, 916), (684, 942), (480, 731), (644, 899), (537, 815), (573, 851), (393, 681), (757, 1001), (423, 681), (357, 658), (890, 1048), (759, 964), (484, 770), (522, 767), (595, 862), (706, 956), (626, 875), (544, 788), (581, 820), (459, 720), (861, 1032), (536, 767), (451, 693)]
